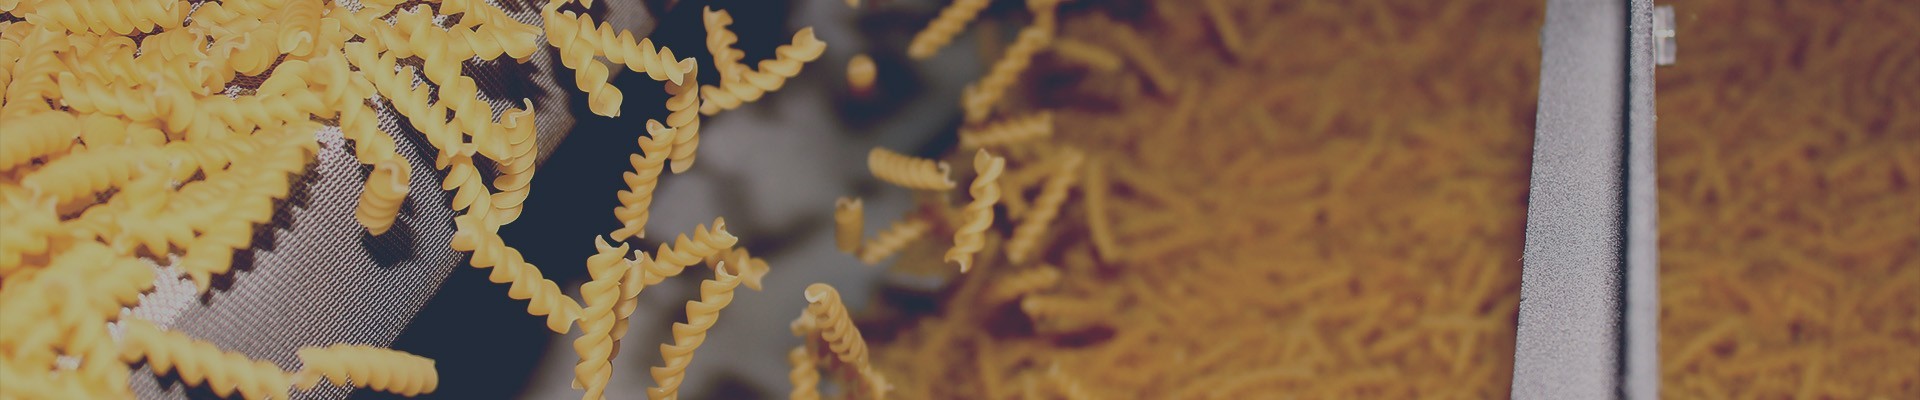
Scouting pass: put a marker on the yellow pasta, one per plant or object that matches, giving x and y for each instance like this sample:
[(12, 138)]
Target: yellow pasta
[(638, 198), (1026, 235), (34, 136), (715, 294), (970, 237), (1063, 313), (525, 281), (201, 363), (1099, 227), (595, 344), (1013, 130), (805, 375), (1225, 27), (893, 239), (773, 73), (861, 72), (908, 171), (1093, 56), (944, 28), (836, 327), (720, 42), (752, 270), (979, 97), (367, 367), (1023, 283), (120, 17), (849, 224), (385, 189), (685, 120)]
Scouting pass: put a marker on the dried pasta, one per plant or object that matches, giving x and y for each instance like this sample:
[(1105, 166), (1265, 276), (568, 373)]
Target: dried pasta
[(1013, 130), (1093, 56), (979, 98), (602, 293), (201, 363), (805, 375), (849, 224), (1026, 235), (368, 367), (715, 294), (893, 239), (386, 188), (969, 238), (655, 149), (908, 171), (836, 328), (771, 76), (685, 120), (1020, 284), (861, 72), (944, 28)]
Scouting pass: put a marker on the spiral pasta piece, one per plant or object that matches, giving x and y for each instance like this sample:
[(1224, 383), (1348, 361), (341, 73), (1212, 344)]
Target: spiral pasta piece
[(1091, 55), (849, 224), (595, 344), (579, 39), (836, 327), (752, 84), (80, 176), (908, 171), (1026, 128), (893, 239), (385, 189), (1026, 236), (720, 41), (944, 28), (752, 269), (805, 375), (1063, 313), (638, 198), (200, 363), (979, 98), (524, 279), (120, 17), (31, 223), (669, 261), (715, 294), (970, 236), (1023, 283), (36, 135), (369, 367), (515, 181), (1099, 226), (684, 117)]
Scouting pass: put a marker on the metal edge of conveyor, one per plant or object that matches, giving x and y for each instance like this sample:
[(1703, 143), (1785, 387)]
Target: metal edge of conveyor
[(1587, 326)]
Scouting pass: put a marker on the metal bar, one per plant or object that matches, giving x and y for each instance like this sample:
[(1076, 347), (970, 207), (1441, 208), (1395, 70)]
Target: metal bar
[(1588, 309)]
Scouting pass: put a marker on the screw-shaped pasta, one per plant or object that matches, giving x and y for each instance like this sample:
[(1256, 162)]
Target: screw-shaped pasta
[(893, 239), (595, 344), (752, 84), (979, 98), (1020, 284), (30, 224), (670, 260), (1062, 313), (638, 198), (805, 374), (120, 17), (1091, 55), (684, 117), (375, 368), (524, 279), (829, 315), (1026, 236), (849, 224), (720, 41), (1009, 131), (908, 171), (715, 294), (380, 201), (34, 136), (516, 172), (970, 236), (200, 363), (944, 27), (752, 269), (80, 176), (579, 38)]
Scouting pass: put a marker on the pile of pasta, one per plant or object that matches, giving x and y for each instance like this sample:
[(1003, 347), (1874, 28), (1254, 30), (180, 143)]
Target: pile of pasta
[(1789, 178), (1208, 199), (148, 141)]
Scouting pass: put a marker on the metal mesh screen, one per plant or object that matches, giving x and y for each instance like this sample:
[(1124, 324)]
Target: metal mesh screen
[(314, 276)]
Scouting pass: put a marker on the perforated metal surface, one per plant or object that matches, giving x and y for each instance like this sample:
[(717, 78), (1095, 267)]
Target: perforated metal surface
[(314, 276)]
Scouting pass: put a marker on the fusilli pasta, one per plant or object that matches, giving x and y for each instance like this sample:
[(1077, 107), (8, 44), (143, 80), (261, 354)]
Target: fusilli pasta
[(201, 363), (715, 294), (1026, 236), (638, 198), (1030, 127), (979, 98), (385, 189), (944, 28), (970, 237), (849, 224), (368, 367), (891, 240), (908, 171)]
